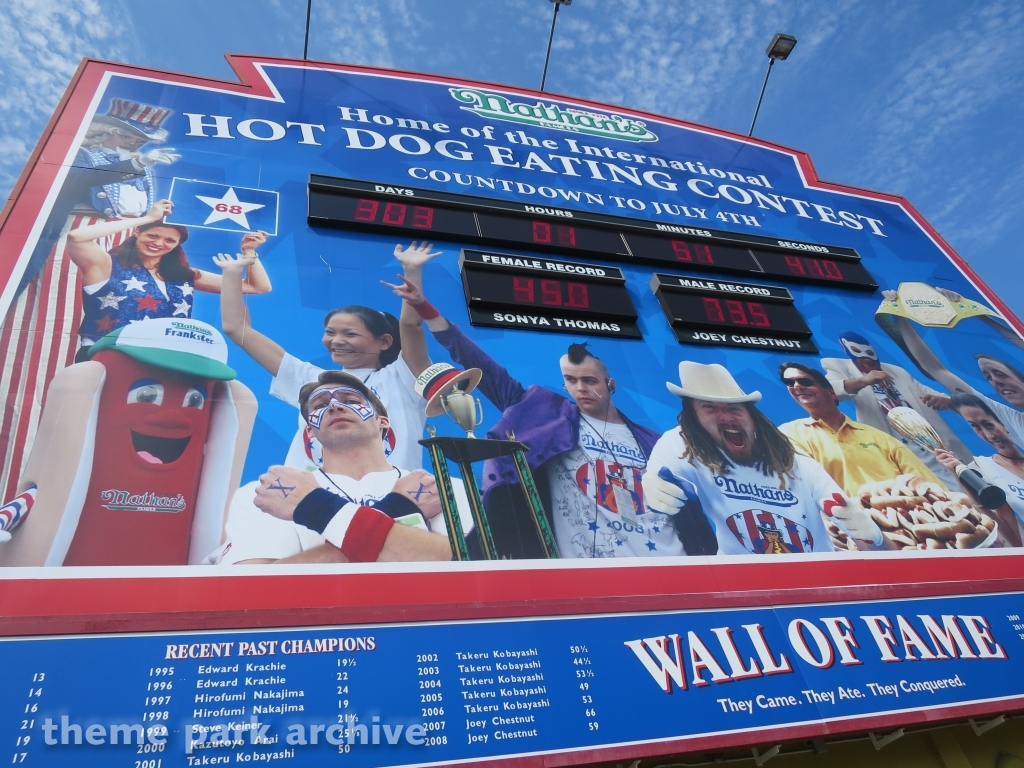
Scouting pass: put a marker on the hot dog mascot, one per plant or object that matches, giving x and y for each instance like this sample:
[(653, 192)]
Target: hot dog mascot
[(138, 452)]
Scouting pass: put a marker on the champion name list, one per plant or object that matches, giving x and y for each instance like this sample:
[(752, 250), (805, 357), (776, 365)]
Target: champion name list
[(500, 691)]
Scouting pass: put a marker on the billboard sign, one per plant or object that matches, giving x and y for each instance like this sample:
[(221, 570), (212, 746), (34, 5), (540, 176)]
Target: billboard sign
[(425, 342)]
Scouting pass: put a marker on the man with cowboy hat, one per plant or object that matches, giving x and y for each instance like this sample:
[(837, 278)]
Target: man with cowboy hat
[(357, 507), (746, 473)]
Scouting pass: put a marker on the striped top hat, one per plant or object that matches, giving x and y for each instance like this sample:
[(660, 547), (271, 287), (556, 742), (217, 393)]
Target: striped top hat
[(142, 120), (440, 379)]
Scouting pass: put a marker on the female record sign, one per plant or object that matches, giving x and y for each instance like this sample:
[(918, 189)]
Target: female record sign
[(546, 295)]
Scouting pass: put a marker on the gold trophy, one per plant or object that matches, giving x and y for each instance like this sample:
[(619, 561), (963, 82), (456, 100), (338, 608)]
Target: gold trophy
[(462, 408), (916, 428), (449, 390)]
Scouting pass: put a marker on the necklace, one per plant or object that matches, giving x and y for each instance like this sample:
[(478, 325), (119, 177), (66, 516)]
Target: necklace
[(341, 491)]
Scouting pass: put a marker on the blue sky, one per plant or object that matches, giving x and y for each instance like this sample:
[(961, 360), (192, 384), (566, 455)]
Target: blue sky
[(922, 99)]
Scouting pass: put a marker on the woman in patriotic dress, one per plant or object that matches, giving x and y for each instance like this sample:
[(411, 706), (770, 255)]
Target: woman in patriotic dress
[(148, 276)]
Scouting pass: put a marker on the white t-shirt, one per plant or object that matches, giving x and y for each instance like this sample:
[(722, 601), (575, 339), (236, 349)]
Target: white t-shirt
[(743, 502), (597, 498), (1012, 485), (252, 533), (393, 384)]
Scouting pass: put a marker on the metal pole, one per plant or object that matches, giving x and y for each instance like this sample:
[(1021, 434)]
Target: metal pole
[(554, 18), (763, 86), (305, 43)]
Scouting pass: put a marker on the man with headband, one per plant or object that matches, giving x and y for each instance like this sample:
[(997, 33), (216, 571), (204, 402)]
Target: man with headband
[(876, 388), (355, 508)]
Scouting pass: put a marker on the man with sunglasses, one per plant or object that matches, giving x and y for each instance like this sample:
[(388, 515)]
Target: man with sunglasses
[(355, 508), (851, 452), (876, 387)]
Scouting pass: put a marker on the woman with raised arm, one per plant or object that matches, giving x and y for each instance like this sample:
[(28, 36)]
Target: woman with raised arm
[(1004, 468), (148, 276), (385, 353)]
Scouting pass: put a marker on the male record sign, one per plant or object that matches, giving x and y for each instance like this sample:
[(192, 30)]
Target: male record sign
[(508, 291), (724, 313)]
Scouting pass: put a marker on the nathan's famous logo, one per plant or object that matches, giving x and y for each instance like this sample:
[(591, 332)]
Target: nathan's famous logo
[(778, 497), (497, 107), (141, 502)]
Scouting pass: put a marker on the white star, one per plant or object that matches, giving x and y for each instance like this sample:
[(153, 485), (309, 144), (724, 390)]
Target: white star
[(186, 289), (134, 284), (229, 207), (181, 308), (112, 301)]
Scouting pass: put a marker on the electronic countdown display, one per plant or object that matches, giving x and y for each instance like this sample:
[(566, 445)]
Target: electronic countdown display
[(640, 416), (351, 204)]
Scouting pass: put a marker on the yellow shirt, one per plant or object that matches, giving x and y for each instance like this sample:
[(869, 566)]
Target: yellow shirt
[(856, 454)]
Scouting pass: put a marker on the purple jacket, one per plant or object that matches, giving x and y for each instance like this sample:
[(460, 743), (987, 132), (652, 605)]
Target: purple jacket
[(549, 423)]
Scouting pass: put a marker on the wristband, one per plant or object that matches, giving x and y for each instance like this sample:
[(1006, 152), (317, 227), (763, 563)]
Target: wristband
[(425, 310), (317, 509), (396, 505), (364, 539)]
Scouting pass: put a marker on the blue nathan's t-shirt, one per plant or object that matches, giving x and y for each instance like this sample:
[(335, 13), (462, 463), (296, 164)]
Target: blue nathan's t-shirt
[(753, 513), (130, 295)]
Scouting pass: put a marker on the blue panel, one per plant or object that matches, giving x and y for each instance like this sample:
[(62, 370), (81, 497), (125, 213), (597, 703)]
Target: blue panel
[(503, 688)]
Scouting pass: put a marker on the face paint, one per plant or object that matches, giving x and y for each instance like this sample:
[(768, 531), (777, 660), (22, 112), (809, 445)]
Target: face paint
[(323, 398)]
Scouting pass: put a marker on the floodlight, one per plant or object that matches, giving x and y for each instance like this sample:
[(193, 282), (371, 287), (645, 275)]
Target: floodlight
[(779, 48)]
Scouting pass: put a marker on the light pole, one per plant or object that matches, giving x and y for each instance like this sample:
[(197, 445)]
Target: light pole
[(305, 40), (779, 48), (554, 18)]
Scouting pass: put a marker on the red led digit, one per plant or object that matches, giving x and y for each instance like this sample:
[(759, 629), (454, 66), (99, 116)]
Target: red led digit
[(551, 293), (541, 232), (814, 267), (578, 296), (713, 309), (566, 235), (795, 265), (736, 313), (681, 248), (522, 290), (366, 210), (394, 213), (832, 270), (422, 217), (758, 316), (704, 254)]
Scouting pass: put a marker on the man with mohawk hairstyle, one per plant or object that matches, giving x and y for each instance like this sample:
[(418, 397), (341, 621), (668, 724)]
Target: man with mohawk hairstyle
[(586, 456)]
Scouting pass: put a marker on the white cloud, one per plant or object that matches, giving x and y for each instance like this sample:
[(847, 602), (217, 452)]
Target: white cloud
[(688, 60), (944, 83), (372, 34), (41, 44)]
